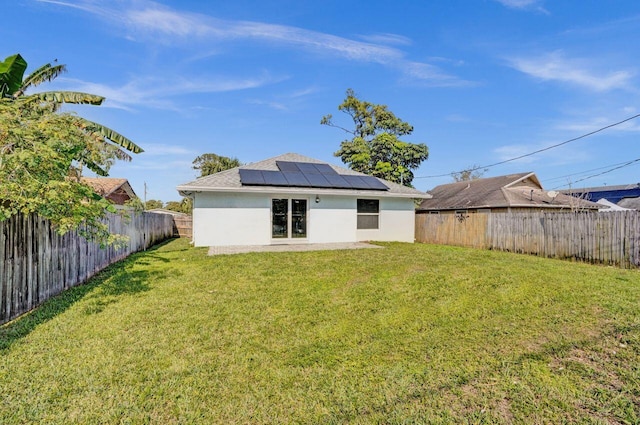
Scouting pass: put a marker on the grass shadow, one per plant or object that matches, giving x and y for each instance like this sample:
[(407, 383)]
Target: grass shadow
[(106, 287)]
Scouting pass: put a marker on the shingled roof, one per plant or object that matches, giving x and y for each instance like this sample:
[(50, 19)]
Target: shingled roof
[(117, 190), (229, 181), (522, 190)]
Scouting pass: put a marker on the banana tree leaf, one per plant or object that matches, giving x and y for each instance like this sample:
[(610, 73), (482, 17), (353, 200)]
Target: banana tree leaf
[(11, 72), (94, 167), (46, 72), (112, 135), (69, 97)]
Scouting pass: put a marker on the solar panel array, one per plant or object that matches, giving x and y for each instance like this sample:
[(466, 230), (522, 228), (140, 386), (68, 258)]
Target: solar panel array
[(307, 174)]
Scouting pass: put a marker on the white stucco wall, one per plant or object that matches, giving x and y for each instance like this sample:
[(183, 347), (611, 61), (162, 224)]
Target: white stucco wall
[(333, 219), (396, 222), (231, 219), (221, 219)]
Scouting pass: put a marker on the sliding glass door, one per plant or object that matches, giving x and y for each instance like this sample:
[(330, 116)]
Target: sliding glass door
[(289, 218)]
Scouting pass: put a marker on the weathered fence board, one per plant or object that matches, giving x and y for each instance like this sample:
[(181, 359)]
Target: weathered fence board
[(183, 226), (36, 263), (450, 229), (607, 238)]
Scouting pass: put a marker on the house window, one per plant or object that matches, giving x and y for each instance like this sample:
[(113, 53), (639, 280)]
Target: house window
[(368, 213)]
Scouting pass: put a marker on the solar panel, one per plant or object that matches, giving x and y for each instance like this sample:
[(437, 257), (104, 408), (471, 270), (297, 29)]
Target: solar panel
[(374, 183), (274, 178), (318, 180), (356, 182), (296, 179), (337, 181), (366, 183), (287, 166), (325, 169), (307, 168), (308, 174), (251, 177)]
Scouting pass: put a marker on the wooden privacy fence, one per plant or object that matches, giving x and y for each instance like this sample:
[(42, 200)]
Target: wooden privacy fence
[(183, 226), (607, 238), (36, 263)]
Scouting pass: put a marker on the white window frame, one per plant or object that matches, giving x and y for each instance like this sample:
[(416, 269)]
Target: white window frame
[(367, 214)]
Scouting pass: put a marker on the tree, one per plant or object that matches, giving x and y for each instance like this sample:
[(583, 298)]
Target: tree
[(471, 173), (42, 152), (184, 206), (37, 150), (375, 147), (153, 204), (103, 146), (210, 163)]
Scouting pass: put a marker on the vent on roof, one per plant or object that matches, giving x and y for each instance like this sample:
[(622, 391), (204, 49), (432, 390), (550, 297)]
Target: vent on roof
[(306, 174)]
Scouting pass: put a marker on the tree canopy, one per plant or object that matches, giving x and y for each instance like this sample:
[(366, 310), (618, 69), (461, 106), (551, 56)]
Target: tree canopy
[(474, 172), (42, 152), (210, 163), (183, 206), (153, 204), (375, 147), (103, 144)]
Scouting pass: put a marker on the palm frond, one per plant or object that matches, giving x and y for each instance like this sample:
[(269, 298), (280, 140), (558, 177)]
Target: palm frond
[(46, 72), (112, 135), (69, 97)]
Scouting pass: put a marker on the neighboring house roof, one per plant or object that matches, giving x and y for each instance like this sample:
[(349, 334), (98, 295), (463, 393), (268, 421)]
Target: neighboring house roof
[(522, 190), (630, 203), (610, 206), (611, 193), (229, 181), (115, 189), (166, 211)]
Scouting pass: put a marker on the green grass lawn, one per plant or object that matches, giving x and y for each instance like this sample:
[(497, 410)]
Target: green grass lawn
[(406, 334)]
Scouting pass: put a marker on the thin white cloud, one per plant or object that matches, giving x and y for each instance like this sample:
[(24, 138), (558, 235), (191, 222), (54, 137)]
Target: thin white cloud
[(152, 21), (160, 165), (287, 101), (271, 104), (507, 152), (156, 92), (556, 67), (562, 155), (432, 75), (386, 38), (524, 5), (162, 150), (595, 123)]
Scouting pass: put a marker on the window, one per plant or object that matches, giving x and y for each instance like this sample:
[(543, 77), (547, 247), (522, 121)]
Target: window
[(368, 213)]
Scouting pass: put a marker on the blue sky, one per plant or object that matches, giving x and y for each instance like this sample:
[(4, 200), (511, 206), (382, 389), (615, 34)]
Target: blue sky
[(481, 81)]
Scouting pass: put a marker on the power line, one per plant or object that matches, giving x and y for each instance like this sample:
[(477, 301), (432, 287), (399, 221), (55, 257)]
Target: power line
[(605, 172), (538, 151), (583, 172)]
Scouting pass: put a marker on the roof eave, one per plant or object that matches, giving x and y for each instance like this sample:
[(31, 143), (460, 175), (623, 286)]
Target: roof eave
[(190, 190)]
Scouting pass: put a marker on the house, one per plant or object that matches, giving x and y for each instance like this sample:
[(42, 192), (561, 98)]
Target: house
[(611, 207), (625, 196), (510, 193), (115, 190), (169, 212), (296, 199)]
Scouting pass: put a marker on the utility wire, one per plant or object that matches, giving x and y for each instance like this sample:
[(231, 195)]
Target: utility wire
[(552, 179), (538, 151), (626, 164)]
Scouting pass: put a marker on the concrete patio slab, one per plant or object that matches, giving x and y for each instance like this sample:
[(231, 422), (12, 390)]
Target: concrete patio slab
[(227, 250)]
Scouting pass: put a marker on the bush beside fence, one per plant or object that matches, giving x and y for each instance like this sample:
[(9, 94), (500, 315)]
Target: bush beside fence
[(36, 263), (607, 238)]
